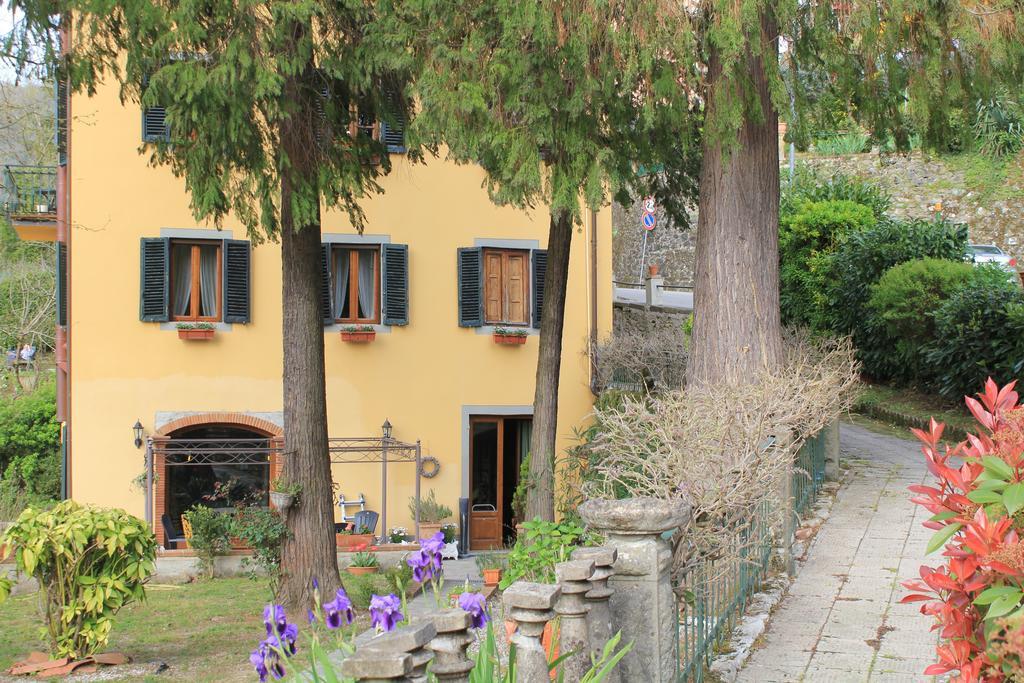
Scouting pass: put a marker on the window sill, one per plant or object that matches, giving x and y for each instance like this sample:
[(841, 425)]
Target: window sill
[(339, 327), (489, 330)]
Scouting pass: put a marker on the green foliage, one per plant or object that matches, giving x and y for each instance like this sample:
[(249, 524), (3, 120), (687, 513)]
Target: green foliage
[(842, 144), (536, 552), (263, 531), (979, 333), (365, 559), (30, 445), (361, 588), (810, 185), (89, 563), (903, 302), (999, 126), (808, 232), (491, 561), (431, 511), (861, 261), (211, 535)]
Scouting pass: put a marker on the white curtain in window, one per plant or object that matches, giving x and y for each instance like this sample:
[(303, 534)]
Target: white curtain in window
[(208, 280), (182, 258), (341, 271), (366, 284)]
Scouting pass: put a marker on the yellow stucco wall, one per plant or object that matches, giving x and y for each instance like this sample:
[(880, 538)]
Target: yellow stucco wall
[(419, 376)]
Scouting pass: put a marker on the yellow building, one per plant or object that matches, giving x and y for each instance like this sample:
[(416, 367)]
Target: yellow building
[(437, 270)]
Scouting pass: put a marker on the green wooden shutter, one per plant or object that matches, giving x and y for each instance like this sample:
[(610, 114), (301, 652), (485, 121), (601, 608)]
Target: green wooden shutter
[(154, 125), (471, 287), (237, 281), (62, 284), (392, 127), (325, 284), (540, 269), (62, 122), (155, 283), (395, 298)]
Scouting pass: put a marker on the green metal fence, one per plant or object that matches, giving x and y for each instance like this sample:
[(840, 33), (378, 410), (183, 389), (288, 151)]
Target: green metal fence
[(718, 590)]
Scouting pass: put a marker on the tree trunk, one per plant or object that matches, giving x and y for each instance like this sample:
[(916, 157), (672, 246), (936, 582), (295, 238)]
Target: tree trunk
[(540, 500), (310, 553), (736, 328)]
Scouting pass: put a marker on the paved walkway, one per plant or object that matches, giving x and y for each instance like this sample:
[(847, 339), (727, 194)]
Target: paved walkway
[(840, 620)]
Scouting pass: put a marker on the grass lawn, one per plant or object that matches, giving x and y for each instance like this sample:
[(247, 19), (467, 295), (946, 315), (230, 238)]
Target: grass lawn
[(203, 631), (917, 404)]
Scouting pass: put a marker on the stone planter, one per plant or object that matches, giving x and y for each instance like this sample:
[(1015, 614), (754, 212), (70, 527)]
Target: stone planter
[(195, 335), (282, 501), (361, 337), (352, 541), (359, 571), (428, 529), (509, 339), (492, 577)]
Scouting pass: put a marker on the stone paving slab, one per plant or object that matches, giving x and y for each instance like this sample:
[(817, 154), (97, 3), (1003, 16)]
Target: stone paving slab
[(840, 620)]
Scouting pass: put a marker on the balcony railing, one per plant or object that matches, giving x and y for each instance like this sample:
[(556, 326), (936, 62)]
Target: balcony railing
[(30, 192)]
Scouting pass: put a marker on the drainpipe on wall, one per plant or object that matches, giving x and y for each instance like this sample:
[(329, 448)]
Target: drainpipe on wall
[(592, 354), (61, 334)]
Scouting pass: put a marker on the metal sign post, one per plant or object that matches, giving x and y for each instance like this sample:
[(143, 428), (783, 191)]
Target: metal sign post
[(647, 220)]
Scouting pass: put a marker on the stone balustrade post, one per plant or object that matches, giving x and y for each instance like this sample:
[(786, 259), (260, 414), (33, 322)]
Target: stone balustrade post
[(531, 606), (411, 640), (372, 666), (574, 639), (643, 604), (599, 616), (449, 646)]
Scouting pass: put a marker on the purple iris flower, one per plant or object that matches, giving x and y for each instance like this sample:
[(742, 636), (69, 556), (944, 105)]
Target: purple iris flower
[(267, 660), (422, 566), (433, 546), (338, 610), (476, 605), (385, 611), (274, 619), (311, 617)]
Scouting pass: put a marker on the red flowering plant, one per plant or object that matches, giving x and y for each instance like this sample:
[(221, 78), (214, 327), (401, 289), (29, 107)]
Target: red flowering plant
[(978, 516)]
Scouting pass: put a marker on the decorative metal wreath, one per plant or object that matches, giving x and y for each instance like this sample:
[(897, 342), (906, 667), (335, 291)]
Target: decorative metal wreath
[(429, 467)]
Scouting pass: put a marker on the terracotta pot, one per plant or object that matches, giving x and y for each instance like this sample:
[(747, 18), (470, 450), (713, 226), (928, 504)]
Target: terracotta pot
[(196, 334), (428, 529), (653, 269), (359, 571), (350, 541), (548, 639), (492, 577), (358, 337), (510, 339)]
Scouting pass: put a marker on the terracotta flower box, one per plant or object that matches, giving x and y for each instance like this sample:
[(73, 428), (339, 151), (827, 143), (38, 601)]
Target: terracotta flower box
[(510, 339), (358, 337), (352, 541), (359, 571), (195, 334)]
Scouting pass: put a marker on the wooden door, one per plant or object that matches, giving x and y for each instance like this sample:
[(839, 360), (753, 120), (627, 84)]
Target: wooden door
[(486, 500)]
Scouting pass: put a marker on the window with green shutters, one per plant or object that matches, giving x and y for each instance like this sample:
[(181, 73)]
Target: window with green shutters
[(62, 284), (186, 279), (364, 284), (490, 293)]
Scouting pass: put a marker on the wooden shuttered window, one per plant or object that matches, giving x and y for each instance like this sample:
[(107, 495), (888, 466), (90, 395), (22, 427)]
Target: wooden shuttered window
[(390, 284), (154, 125), (395, 299), (232, 288), (501, 286), (62, 284)]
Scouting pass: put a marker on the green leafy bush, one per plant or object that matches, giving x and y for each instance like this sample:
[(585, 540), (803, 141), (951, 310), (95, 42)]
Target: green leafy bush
[(89, 563), (809, 185), (211, 535), (431, 511), (30, 443), (904, 300), (841, 144), (808, 231), (999, 126), (536, 552), (979, 333), (861, 261), (263, 531), (361, 588)]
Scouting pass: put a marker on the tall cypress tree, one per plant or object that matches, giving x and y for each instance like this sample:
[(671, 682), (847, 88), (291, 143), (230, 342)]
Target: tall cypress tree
[(556, 100), (260, 96)]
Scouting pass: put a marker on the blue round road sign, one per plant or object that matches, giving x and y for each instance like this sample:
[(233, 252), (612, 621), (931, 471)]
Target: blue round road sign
[(649, 221)]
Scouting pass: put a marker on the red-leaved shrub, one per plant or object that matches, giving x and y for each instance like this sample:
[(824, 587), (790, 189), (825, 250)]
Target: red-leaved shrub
[(978, 515)]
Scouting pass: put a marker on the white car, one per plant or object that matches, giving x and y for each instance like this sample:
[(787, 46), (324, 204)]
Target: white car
[(990, 253)]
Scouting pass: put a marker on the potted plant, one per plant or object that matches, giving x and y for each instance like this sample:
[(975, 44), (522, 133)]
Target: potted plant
[(353, 539), (283, 494), (503, 335), (364, 563), (491, 565), (359, 334), (432, 514), (397, 534), (195, 331)]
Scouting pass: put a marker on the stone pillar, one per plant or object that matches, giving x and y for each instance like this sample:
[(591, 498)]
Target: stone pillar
[(654, 287), (449, 646), (373, 666), (530, 605), (832, 450), (599, 616), (643, 605), (574, 579), (410, 640)]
